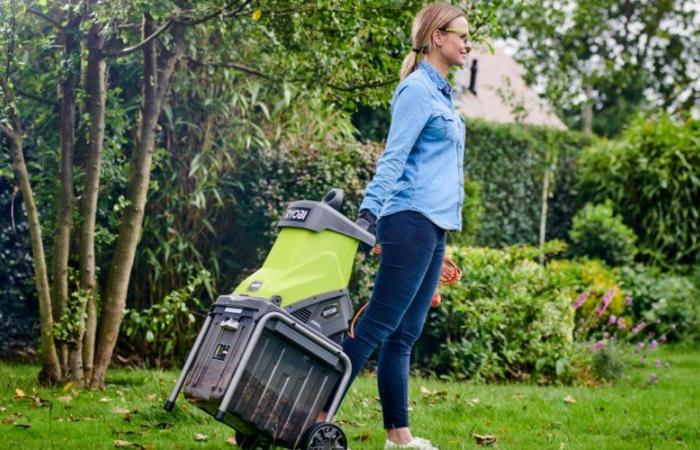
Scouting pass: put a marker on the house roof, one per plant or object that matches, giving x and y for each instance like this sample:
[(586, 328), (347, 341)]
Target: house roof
[(501, 92)]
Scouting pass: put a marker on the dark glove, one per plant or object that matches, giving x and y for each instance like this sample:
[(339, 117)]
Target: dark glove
[(366, 220)]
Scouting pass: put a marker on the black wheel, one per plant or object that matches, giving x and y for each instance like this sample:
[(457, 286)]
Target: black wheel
[(325, 436), (246, 442)]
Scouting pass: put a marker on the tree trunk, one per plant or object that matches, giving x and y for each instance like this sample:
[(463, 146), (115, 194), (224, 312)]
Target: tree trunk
[(95, 86), (588, 110), (51, 370), (543, 212), (155, 87), (71, 51)]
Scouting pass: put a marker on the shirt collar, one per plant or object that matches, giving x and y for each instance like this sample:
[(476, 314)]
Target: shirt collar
[(434, 75)]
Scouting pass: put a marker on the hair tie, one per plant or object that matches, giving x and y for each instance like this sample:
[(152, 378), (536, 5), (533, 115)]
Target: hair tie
[(418, 50)]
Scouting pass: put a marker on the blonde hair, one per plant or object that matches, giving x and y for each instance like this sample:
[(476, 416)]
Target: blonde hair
[(432, 17)]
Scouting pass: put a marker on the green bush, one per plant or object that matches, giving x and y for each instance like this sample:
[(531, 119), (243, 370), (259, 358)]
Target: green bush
[(598, 233), (507, 318), (665, 297), (508, 162), (652, 174)]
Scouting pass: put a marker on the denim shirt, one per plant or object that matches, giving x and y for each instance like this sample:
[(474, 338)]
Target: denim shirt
[(421, 167)]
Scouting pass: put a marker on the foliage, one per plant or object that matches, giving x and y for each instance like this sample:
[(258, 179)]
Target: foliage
[(635, 56), (508, 163), (666, 297), (507, 318), (652, 174), (165, 331), (598, 233), (589, 281)]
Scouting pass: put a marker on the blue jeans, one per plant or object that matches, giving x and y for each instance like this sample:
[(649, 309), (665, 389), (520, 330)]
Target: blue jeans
[(412, 251)]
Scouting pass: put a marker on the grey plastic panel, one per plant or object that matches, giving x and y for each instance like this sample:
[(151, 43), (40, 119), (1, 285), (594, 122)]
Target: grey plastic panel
[(323, 217)]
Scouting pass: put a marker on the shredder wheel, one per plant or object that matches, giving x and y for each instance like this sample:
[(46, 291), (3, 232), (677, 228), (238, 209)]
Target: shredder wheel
[(245, 442), (325, 436)]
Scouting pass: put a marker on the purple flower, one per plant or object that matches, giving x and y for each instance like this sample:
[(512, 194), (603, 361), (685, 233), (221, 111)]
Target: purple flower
[(639, 348), (653, 379), (652, 345), (650, 334), (657, 363), (580, 300), (628, 301), (663, 338), (607, 298), (598, 346), (612, 319), (639, 327)]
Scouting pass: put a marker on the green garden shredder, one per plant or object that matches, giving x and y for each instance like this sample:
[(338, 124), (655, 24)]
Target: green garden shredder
[(267, 359)]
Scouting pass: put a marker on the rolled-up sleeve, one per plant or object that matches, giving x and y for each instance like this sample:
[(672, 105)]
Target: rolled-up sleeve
[(410, 113)]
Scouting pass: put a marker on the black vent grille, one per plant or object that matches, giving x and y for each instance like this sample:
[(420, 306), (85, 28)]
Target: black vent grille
[(302, 314)]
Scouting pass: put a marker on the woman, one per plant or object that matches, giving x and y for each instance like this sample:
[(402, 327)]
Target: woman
[(416, 195)]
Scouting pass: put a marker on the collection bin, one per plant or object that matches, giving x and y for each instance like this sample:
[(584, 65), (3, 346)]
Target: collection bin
[(280, 373)]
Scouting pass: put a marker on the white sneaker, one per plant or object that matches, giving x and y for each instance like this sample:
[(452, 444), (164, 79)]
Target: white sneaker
[(416, 443)]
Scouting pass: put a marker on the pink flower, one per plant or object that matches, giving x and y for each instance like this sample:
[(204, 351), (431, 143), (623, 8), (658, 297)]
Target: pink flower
[(663, 338), (657, 363), (639, 327), (580, 300), (652, 345), (607, 298), (640, 347), (612, 319), (628, 301), (598, 346)]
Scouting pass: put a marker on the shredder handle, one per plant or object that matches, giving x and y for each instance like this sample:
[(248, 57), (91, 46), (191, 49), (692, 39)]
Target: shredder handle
[(170, 402), (334, 198)]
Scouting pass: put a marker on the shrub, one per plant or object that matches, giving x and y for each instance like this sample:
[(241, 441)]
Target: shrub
[(652, 174), (507, 318), (590, 281), (508, 163), (598, 233), (664, 297)]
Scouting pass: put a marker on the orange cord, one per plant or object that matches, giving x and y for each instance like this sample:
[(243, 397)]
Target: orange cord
[(449, 274)]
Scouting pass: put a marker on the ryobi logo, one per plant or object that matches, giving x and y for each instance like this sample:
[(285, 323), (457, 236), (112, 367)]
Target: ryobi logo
[(297, 214), (329, 311)]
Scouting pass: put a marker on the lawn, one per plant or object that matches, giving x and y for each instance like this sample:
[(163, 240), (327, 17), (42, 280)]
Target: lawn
[(634, 414)]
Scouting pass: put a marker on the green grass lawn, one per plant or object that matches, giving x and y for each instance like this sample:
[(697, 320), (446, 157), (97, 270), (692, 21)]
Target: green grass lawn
[(631, 415)]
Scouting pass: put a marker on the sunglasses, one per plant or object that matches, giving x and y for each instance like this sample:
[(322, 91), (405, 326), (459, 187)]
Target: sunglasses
[(462, 33)]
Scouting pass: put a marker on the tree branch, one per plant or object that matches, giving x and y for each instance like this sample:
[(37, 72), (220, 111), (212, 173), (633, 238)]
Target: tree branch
[(257, 73), (37, 98), (220, 12), (140, 45), (46, 18)]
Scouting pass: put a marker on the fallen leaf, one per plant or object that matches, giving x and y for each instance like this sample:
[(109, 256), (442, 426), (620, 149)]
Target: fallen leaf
[(151, 397), (121, 443), (105, 399), (485, 439), (199, 437), (474, 402), (569, 399), (120, 410), (231, 440), (518, 395), (3, 409), (64, 398), (425, 391), (19, 393), (362, 438), (68, 386)]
